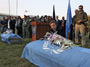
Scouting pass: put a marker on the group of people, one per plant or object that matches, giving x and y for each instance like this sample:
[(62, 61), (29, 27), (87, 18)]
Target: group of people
[(24, 28), (7, 23), (21, 26), (17, 24), (79, 21)]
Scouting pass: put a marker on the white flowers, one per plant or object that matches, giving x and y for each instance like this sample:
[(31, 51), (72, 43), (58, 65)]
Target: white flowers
[(9, 31), (58, 40)]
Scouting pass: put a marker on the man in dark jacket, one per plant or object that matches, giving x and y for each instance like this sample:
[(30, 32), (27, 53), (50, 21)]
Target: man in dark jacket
[(19, 22), (72, 33), (58, 23), (3, 24), (53, 28), (63, 27), (81, 18), (11, 24)]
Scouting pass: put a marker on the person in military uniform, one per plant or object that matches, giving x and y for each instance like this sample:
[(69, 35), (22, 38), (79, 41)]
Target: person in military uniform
[(25, 26), (81, 19)]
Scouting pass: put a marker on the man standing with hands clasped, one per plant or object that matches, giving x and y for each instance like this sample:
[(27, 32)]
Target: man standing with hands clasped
[(81, 18)]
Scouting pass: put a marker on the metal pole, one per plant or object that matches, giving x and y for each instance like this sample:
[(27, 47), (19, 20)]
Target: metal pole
[(16, 7), (9, 6)]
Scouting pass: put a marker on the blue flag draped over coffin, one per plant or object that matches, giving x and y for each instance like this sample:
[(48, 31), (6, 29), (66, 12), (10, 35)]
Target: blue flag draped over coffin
[(69, 20), (5, 37), (49, 55)]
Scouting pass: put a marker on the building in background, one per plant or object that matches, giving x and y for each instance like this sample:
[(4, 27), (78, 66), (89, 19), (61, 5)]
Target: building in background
[(5, 15)]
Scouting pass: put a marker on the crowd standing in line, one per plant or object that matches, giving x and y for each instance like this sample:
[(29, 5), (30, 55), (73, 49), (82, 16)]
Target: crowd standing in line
[(24, 29)]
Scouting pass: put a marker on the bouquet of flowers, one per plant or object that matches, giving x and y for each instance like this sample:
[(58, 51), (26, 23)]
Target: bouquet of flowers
[(8, 31), (58, 40)]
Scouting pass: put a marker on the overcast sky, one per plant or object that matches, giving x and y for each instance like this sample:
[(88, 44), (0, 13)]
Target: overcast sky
[(42, 7)]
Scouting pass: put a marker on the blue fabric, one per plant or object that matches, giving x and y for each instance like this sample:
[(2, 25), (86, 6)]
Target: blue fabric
[(5, 37), (74, 57), (69, 20)]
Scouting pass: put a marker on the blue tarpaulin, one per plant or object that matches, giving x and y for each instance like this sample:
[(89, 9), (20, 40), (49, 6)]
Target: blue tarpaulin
[(5, 37), (43, 55)]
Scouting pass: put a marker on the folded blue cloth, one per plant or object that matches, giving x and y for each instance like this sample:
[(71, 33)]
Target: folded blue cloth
[(5, 37), (48, 55)]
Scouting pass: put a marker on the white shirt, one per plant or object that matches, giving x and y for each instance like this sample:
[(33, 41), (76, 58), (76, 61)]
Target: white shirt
[(62, 23), (56, 20), (9, 24), (16, 23)]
